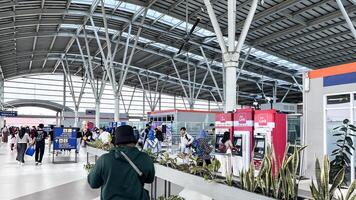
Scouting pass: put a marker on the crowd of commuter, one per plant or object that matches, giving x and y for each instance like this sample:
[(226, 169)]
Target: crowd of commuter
[(127, 155)]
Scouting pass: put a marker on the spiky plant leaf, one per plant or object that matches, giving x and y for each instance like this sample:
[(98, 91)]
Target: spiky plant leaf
[(351, 190), (326, 176), (315, 193), (337, 182)]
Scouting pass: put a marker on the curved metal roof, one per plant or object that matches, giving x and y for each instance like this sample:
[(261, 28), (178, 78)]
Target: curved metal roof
[(286, 38), (37, 103)]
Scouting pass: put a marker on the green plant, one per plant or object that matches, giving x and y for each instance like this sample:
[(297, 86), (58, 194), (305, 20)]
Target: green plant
[(282, 184), (165, 159), (321, 190), (265, 179), (88, 167), (229, 180), (247, 179), (288, 183), (343, 151), (173, 197), (100, 145), (351, 192)]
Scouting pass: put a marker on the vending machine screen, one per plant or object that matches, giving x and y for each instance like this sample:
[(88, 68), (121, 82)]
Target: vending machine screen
[(259, 151), (238, 146)]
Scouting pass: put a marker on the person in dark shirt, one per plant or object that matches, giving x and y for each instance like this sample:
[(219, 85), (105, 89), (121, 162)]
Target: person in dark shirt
[(87, 135), (40, 138), (147, 130), (51, 135)]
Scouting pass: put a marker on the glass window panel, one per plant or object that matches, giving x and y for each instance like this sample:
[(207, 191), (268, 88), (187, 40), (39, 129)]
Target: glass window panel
[(338, 101), (354, 140), (334, 118)]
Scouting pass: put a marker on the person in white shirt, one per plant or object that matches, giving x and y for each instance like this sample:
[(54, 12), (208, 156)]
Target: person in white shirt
[(152, 143), (22, 140), (104, 136), (186, 141)]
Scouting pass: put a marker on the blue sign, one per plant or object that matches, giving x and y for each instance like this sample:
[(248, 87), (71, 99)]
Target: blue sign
[(117, 124), (65, 138), (339, 79), (8, 113)]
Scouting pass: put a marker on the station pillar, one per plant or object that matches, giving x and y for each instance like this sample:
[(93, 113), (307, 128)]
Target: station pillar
[(97, 113), (2, 100), (117, 108)]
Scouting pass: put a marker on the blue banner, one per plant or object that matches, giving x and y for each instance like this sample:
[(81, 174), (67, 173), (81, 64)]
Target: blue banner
[(340, 79), (117, 124), (8, 113), (65, 138)]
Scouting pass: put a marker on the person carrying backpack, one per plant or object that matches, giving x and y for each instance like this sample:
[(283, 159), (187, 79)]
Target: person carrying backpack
[(202, 148), (186, 141), (123, 172), (40, 138)]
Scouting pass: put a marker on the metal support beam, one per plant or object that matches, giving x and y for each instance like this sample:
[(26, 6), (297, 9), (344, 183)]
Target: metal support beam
[(211, 74), (347, 18), (180, 80), (285, 95), (299, 86), (216, 26)]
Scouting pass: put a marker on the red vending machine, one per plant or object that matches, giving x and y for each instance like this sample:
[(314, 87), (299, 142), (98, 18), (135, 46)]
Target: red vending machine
[(223, 123), (270, 130), (242, 140)]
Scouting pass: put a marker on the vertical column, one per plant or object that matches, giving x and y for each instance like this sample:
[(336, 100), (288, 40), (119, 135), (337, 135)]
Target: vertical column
[(209, 105), (57, 120), (275, 92), (64, 98), (117, 108), (143, 104), (159, 101), (76, 116), (230, 83), (2, 99), (97, 113), (174, 102)]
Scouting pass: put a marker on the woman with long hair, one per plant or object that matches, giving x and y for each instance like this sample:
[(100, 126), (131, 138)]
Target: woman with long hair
[(22, 140), (226, 166)]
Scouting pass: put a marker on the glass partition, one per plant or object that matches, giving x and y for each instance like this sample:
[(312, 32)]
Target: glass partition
[(337, 109)]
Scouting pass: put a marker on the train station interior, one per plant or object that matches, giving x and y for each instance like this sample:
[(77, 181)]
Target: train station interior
[(177, 99)]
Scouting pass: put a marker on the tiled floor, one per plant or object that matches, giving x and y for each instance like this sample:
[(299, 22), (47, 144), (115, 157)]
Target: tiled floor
[(48, 181)]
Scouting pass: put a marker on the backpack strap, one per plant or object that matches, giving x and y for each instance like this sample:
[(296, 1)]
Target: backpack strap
[(131, 163)]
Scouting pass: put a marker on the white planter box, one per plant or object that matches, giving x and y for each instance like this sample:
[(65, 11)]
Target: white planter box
[(95, 151), (214, 190)]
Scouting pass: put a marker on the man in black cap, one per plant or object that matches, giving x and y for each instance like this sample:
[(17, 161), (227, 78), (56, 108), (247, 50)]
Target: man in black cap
[(123, 171)]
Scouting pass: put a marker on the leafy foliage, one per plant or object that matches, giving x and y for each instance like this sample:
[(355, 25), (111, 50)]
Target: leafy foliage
[(100, 145), (321, 190), (88, 167), (282, 184), (344, 145), (174, 197)]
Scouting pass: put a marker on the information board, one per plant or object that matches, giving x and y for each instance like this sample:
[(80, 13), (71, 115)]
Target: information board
[(65, 138), (4, 113)]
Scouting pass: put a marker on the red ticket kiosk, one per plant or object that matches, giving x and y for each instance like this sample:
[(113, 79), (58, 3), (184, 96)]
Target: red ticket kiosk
[(270, 130), (242, 139)]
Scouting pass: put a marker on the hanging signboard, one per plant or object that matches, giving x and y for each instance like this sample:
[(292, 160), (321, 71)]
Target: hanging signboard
[(8, 113), (90, 112)]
